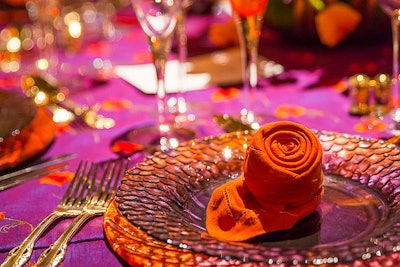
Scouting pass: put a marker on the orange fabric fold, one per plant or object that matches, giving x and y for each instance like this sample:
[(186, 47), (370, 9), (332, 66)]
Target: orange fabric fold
[(281, 184)]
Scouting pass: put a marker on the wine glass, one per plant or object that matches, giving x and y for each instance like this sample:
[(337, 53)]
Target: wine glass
[(249, 15), (158, 19), (392, 9)]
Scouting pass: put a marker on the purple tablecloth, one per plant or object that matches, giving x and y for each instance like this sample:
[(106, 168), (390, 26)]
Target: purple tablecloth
[(318, 105)]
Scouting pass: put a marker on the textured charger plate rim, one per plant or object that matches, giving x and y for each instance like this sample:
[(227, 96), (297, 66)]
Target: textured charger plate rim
[(332, 142)]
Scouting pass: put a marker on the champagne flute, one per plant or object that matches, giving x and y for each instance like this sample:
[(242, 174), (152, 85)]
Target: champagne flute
[(249, 15), (392, 9), (158, 19)]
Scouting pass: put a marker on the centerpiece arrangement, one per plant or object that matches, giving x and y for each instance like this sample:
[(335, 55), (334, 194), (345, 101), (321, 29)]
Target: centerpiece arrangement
[(328, 22)]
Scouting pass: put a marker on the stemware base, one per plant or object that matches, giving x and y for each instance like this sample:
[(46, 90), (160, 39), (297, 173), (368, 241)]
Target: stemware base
[(392, 120), (147, 139), (248, 117)]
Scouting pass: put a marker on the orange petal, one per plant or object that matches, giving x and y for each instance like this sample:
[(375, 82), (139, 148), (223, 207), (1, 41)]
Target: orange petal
[(335, 22), (125, 147), (57, 178)]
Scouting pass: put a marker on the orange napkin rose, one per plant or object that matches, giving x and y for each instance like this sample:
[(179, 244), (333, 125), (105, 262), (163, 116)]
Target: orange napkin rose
[(281, 184)]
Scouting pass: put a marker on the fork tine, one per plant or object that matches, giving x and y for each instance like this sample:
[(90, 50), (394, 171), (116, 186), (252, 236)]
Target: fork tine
[(88, 185), (120, 166), (76, 185), (124, 164), (79, 185), (72, 184), (70, 205), (106, 180), (113, 178), (84, 187), (101, 188), (108, 175), (55, 254)]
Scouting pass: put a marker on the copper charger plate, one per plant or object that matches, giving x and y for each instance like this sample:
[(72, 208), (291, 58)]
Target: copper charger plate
[(157, 218), (25, 130), (16, 113)]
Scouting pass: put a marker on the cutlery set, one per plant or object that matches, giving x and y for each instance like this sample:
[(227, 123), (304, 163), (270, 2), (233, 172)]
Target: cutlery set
[(88, 194)]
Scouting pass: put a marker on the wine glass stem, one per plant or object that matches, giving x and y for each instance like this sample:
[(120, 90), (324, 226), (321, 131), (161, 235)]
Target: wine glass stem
[(249, 35), (395, 78), (182, 57), (160, 48)]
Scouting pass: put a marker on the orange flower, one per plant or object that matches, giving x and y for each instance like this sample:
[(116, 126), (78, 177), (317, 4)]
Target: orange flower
[(2, 215)]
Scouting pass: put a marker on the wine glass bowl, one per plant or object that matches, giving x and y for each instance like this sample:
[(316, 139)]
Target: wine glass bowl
[(249, 15), (157, 20)]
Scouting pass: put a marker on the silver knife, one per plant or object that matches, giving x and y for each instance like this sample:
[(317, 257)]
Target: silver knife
[(36, 170)]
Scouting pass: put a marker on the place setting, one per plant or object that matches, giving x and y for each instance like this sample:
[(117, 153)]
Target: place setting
[(29, 127), (26, 130), (162, 204), (196, 205), (196, 153)]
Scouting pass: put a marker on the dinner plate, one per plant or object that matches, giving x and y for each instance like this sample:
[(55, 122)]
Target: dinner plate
[(159, 210)]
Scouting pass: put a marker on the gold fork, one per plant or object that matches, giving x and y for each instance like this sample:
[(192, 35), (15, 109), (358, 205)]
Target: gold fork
[(71, 204), (96, 206)]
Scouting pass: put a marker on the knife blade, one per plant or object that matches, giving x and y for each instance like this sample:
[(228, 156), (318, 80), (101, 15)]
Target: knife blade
[(35, 170)]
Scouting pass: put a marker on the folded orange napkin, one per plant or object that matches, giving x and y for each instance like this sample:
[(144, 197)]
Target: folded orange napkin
[(281, 184)]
